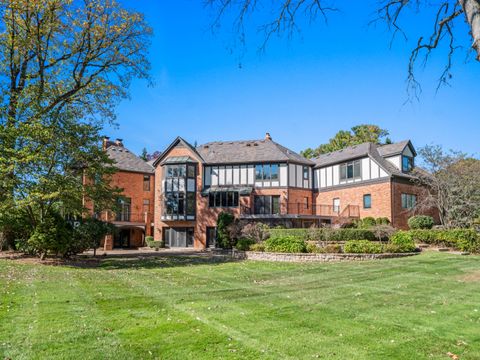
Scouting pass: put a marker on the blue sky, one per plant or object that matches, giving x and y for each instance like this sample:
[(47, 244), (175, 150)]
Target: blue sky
[(301, 90)]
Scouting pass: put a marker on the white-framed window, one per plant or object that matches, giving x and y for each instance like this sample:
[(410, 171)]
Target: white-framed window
[(350, 170)]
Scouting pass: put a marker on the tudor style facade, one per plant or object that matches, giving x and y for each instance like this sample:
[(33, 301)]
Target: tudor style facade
[(260, 180), (178, 197)]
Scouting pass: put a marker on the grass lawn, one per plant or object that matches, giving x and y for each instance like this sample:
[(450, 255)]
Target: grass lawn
[(421, 307)]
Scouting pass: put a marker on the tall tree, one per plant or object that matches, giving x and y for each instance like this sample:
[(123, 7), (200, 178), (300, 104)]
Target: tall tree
[(447, 17), (65, 65), (452, 185), (357, 135), (144, 154)]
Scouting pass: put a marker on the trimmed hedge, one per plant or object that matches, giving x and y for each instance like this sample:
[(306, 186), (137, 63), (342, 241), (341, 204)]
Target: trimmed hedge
[(154, 244), (362, 247), (403, 240), (325, 234), (421, 222), (285, 244), (244, 244), (460, 239)]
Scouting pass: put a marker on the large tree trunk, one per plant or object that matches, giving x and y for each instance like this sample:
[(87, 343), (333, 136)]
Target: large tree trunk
[(471, 9)]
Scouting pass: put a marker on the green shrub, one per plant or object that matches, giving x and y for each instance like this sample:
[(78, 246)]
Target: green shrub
[(331, 249), (285, 244), (149, 240), (224, 221), (392, 248), (404, 240), (53, 235), (260, 247), (368, 222), (420, 222), (382, 221), (325, 234), (313, 248), (349, 234), (362, 247), (243, 244), (460, 239)]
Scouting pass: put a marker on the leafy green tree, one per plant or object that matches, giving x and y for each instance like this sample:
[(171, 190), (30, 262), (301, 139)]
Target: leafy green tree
[(144, 154), (451, 186), (357, 135), (66, 64), (92, 231), (224, 237)]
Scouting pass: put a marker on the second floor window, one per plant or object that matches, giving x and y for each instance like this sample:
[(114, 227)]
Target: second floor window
[(266, 172), (409, 201), (367, 201), (351, 170), (124, 208), (146, 182), (305, 173)]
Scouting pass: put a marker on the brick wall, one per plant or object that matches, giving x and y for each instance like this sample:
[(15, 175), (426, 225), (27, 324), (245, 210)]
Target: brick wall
[(380, 195)]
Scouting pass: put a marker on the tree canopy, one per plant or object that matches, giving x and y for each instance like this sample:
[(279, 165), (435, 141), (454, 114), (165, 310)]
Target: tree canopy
[(65, 65), (356, 135)]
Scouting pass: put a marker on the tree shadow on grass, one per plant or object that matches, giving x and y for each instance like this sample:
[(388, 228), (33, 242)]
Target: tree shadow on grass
[(169, 261)]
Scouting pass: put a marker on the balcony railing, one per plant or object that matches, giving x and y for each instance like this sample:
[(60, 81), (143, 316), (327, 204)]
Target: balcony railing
[(131, 217), (310, 209)]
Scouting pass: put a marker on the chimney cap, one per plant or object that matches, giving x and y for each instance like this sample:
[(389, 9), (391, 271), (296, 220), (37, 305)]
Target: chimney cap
[(267, 136)]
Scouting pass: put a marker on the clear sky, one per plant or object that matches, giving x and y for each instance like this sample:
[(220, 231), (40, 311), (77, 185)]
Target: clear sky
[(303, 90)]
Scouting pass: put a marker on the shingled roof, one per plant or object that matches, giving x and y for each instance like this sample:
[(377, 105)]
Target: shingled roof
[(363, 150), (248, 151), (394, 149), (126, 160)]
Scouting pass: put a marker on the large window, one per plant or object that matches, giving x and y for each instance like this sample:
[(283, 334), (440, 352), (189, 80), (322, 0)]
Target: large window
[(407, 163), (351, 170), (178, 237), (146, 182), (266, 172), (223, 199), (179, 183), (409, 201), (367, 201), (267, 205), (124, 209), (305, 173)]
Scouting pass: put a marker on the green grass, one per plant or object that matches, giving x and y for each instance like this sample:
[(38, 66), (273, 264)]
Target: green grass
[(420, 307)]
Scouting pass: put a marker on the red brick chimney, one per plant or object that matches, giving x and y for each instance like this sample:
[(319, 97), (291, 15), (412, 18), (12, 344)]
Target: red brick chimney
[(119, 142), (267, 136), (105, 143)]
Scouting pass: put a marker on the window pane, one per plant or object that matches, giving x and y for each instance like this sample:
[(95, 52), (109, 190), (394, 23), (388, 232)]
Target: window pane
[(181, 204), (218, 199), (191, 171), (190, 203), (224, 199), (356, 169), (235, 199), (275, 204), (211, 199), (258, 205), (274, 172), (267, 203), (343, 171), (259, 172), (146, 183), (229, 198), (266, 172), (349, 171), (305, 173)]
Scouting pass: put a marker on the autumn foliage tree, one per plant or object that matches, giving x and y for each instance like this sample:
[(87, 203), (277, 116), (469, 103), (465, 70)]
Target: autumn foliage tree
[(65, 64)]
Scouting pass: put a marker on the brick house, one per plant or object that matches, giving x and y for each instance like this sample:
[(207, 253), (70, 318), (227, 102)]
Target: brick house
[(136, 178), (261, 180)]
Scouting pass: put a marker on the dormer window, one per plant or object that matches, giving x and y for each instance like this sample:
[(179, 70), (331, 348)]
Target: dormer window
[(407, 163)]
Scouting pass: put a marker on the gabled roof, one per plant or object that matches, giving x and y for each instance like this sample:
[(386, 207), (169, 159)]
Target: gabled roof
[(396, 148), (125, 160), (360, 151), (248, 151), (174, 143)]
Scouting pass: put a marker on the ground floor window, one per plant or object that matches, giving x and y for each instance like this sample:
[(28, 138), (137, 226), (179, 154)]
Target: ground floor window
[(223, 199), (178, 236), (211, 237), (409, 201), (267, 205), (336, 205)]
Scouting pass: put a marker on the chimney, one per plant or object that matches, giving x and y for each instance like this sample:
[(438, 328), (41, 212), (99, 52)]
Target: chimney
[(105, 142), (267, 136), (118, 142)]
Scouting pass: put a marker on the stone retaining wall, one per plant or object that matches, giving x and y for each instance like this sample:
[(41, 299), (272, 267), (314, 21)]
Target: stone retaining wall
[(309, 257)]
